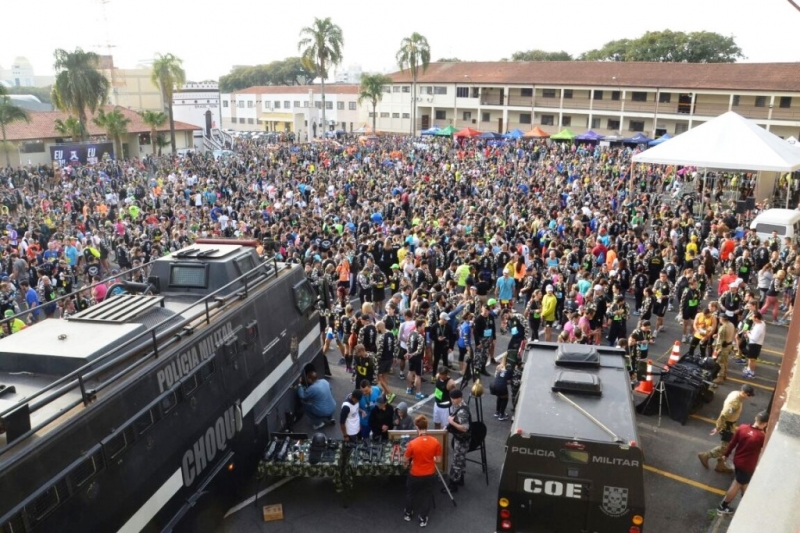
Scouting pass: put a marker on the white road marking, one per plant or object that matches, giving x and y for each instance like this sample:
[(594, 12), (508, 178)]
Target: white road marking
[(426, 400), (239, 506)]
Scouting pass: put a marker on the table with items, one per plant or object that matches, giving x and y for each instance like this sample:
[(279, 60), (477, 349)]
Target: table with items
[(285, 456), (377, 458)]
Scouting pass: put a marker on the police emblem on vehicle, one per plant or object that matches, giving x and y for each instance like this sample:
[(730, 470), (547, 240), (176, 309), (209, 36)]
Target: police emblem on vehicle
[(615, 501), (294, 348)]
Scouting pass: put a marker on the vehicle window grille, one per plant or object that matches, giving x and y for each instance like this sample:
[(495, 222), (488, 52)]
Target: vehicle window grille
[(86, 470), (144, 422), (189, 385), (46, 502), (168, 402), (117, 444), (15, 525), (206, 371)]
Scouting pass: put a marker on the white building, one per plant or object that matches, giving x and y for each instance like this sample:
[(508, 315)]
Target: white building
[(192, 102), (295, 108), (351, 75), (21, 74)]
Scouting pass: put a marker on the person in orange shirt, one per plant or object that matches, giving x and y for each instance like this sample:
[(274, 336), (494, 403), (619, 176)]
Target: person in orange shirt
[(424, 453), (611, 257)]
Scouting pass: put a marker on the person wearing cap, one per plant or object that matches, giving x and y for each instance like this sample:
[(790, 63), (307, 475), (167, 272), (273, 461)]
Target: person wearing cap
[(458, 425), (728, 416), (746, 448), (704, 326), (15, 324), (349, 417), (723, 346), (731, 300), (381, 419), (549, 304), (639, 343), (744, 265)]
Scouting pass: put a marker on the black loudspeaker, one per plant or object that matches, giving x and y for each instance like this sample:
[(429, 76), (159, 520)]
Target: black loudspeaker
[(751, 203), (741, 207)]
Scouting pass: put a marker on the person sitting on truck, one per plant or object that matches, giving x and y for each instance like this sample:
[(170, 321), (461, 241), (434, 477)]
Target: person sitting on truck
[(317, 399)]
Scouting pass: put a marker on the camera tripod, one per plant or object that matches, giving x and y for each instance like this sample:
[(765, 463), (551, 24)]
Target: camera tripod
[(661, 390)]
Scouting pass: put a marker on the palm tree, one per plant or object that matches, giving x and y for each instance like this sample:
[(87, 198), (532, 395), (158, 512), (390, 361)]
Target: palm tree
[(69, 128), (116, 125), (371, 90), (79, 85), (414, 52), (154, 119), (9, 113), (321, 48), (168, 74)]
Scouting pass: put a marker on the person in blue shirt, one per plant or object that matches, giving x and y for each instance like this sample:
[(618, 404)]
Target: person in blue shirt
[(317, 400), (504, 289), (31, 299), (465, 342), (369, 398)]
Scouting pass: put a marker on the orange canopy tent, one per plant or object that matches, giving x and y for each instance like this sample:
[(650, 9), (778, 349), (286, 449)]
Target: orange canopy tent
[(467, 132), (538, 133)]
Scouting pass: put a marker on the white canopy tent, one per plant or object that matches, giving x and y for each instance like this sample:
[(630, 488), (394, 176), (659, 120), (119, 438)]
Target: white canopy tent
[(728, 142), (792, 141)]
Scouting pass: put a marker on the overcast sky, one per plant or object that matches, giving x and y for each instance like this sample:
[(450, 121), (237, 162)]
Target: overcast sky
[(210, 37)]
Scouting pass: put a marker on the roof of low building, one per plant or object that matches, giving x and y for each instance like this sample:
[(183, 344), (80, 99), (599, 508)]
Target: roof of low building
[(42, 125), (700, 76), (300, 89)]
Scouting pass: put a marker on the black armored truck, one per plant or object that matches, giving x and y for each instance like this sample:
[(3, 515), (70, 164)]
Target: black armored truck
[(573, 462)]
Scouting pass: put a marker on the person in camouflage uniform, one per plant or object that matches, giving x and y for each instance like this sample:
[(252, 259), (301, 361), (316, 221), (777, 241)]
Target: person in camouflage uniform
[(458, 427)]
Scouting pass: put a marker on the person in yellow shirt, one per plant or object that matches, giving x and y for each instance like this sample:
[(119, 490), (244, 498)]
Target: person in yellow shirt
[(549, 302), (15, 324), (691, 247)]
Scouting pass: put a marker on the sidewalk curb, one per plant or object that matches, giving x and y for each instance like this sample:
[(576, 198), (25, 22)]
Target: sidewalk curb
[(719, 524)]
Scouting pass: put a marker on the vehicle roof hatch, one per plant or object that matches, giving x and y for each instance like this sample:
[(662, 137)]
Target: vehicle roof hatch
[(577, 383), (577, 355)]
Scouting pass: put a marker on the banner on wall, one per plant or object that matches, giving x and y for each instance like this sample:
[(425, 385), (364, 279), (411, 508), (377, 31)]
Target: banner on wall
[(81, 153)]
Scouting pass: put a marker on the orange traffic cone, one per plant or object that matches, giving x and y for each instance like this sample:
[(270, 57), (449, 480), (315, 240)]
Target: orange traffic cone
[(646, 386), (675, 356)]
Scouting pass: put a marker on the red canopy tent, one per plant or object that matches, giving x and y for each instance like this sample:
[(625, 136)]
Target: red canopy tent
[(537, 132), (467, 132)]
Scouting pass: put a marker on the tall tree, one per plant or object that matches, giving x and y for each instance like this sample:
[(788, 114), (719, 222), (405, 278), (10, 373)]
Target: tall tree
[(154, 119), (116, 125), (289, 71), (415, 52), (168, 74), (540, 55), (69, 128), (9, 112), (79, 85), (371, 90), (321, 48), (670, 47)]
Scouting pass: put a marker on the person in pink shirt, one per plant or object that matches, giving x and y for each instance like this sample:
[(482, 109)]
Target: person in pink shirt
[(98, 291)]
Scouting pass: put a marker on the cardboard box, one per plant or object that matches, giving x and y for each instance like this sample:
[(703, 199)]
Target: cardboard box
[(273, 512)]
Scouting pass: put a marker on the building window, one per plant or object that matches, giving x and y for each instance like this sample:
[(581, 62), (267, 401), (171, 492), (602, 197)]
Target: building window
[(440, 89), (548, 93), (486, 117), (384, 114), (396, 89), (406, 89), (318, 104), (224, 103), (286, 104), (276, 104), (462, 92), (426, 89), (395, 115), (664, 98), (598, 95), (526, 92), (328, 105), (406, 115), (681, 127), (296, 103), (613, 124), (595, 123), (340, 106), (567, 93), (639, 96), (440, 114), (548, 120), (241, 120), (761, 101), (524, 118), (615, 95), (351, 106), (637, 125), (466, 115), (566, 121), (250, 121), (387, 88), (240, 105), (785, 102), (371, 114), (735, 100)]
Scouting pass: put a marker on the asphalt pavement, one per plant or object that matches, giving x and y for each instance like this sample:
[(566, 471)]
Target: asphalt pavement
[(680, 494)]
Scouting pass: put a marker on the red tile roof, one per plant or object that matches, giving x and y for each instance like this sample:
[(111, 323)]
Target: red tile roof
[(42, 127), (300, 89), (733, 76)]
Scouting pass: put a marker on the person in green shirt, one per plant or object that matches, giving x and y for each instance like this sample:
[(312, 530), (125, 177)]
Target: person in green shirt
[(462, 273), (549, 302)]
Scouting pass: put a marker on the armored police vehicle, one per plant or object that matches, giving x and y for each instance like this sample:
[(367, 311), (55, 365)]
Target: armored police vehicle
[(120, 417), (573, 463)]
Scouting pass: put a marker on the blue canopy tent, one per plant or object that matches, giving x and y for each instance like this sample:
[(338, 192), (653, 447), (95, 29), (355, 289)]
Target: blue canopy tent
[(639, 138), (514, 134), (430, 131), (489, 135), (589, 136), (660, 140)]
